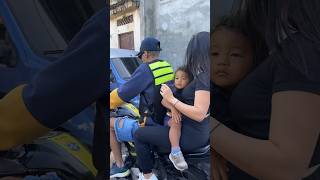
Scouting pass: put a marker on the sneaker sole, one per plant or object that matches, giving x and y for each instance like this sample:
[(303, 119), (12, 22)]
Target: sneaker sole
[(175, 164), (120, 175)]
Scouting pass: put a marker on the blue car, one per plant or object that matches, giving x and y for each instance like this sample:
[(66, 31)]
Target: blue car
[(33, 34), (122, 64)]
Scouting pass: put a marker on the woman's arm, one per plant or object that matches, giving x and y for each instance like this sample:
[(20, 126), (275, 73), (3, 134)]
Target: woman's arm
[(166, 104), (196, 112), (175, 114), (294, 131), (200, 108)]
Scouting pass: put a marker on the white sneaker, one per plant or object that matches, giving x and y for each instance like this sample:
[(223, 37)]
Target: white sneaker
[(153, 177), (178, 161)]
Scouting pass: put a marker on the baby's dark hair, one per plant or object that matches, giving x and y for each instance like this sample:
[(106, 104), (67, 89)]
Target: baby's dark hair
[(185, 70), (239, 24)]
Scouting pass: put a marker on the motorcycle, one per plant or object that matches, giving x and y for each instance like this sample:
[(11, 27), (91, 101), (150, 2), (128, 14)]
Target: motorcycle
[(198, 161), (57, 153)]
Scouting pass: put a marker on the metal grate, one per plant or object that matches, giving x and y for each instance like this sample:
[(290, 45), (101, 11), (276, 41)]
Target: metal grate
[(125, 20)]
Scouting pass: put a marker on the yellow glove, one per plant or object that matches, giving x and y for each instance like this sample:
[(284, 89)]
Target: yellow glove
[(17, 125), (115, 100)]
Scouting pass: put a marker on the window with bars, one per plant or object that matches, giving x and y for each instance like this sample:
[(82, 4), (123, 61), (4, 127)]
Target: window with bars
[(125, 20)]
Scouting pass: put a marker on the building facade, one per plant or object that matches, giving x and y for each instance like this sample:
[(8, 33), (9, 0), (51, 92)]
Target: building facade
[(124, 24), (173, 22)]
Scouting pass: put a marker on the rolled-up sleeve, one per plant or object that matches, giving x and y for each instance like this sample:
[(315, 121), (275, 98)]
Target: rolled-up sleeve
[(69, 85)]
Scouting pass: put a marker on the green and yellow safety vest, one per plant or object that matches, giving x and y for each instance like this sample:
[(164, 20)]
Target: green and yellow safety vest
[(162, 73)]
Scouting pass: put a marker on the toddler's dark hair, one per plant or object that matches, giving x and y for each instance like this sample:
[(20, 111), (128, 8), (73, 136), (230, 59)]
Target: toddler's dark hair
[(186, 70), (239, 24)]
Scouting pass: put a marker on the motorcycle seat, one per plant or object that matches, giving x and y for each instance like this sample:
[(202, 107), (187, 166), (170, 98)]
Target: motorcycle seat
[(197, 153), (200, 152)]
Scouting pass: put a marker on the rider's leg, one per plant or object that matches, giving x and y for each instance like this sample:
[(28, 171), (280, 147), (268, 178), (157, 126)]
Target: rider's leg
[(115, 145), (121, 129), (190, 140), (142, 139)]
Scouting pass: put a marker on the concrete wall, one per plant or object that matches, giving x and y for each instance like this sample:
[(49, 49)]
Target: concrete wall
[(173, 22)]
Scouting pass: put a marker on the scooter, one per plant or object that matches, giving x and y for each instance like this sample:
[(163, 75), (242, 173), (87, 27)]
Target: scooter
[(198, 161), (57, 153)]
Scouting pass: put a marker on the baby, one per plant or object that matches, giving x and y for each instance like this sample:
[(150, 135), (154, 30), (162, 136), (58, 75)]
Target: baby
[(173, 119)]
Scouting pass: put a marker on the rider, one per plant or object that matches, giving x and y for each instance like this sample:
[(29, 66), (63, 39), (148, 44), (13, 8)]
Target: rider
[(146, 81), (60, 91)]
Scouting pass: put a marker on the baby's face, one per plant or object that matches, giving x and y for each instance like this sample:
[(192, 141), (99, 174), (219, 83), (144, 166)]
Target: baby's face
[(232, 57), (181, 80)]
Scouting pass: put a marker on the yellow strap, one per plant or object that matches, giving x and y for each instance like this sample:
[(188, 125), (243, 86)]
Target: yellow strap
[(133, 108), (17, 125), (115, 100)]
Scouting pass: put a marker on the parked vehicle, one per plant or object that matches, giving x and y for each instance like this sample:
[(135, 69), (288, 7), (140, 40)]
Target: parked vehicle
[(122, 65)]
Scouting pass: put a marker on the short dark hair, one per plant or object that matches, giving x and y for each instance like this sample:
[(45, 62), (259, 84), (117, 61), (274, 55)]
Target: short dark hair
[(238, 23), (154, 53)]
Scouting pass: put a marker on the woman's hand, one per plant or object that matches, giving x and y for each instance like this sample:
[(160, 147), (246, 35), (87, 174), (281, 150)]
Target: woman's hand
[(176, 115), (166, 93)]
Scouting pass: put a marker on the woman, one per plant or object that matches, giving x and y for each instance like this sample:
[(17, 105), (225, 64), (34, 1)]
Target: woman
[(194, 109), (276, 107)]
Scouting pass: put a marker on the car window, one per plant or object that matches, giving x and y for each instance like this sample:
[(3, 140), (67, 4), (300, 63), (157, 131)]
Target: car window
[(112, 78), (126, 66), (54, 22), (8, 57)]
